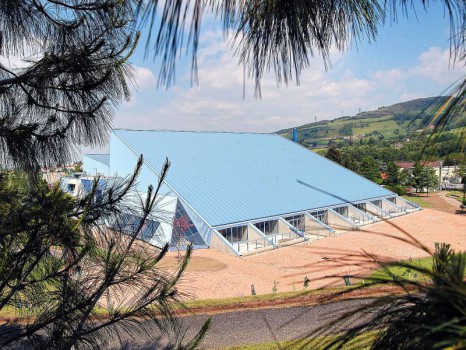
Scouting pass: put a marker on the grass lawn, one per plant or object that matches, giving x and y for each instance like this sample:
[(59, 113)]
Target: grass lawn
[(457, 194), (229, 302), (361, 342), (403, 272), (418, 200)]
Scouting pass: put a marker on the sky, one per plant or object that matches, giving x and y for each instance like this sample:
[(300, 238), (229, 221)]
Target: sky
[(409, 60)]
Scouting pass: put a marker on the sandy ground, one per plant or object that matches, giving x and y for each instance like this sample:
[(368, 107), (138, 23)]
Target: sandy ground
[(212, 274)]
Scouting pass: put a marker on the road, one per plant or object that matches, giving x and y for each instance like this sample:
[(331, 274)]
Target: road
[(258, 326)]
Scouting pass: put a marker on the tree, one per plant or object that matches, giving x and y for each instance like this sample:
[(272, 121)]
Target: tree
[(405, 177), (369, 169), (348, 161), (393, 172), (424, 177), (430, 180), (71, 271), (65, 92), (333, 154), (66, 258), (417, 177), (78, 167), (461, 173)]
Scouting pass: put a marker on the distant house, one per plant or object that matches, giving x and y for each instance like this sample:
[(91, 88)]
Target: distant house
[(410, 165), (448, 180)]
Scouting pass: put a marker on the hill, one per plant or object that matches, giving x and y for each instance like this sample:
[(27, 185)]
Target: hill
[(387, 122)]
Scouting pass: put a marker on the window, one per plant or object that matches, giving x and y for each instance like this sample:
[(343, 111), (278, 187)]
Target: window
[(342, 211), (184, 231), (377, 203), (321, 215), (269, 227), (361, 206), (235, 234), (148, 229), (296, 221)]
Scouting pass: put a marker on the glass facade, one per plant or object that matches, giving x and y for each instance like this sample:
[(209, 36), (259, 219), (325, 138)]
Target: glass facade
[(321, 215), (184, 231), (361, 206), (296, 221), (268, 227), (342, 211), (129, 225), (235, 234)]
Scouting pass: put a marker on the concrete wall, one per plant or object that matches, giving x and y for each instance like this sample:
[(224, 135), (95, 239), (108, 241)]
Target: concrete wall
[(218, 242), (358, 217), (376, 211), (336, 221), (314, 227), (401, 202), (255, 233), (391, 208), (283, 226)]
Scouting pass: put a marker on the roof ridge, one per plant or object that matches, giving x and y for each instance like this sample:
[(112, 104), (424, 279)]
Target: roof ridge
[(197, 131)]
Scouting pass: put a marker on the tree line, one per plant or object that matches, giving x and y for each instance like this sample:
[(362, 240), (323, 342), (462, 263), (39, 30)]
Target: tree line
[(423, 177)]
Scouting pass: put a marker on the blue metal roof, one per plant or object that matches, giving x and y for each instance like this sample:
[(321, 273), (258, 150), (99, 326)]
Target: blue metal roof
[(101, 158), (235, 177)]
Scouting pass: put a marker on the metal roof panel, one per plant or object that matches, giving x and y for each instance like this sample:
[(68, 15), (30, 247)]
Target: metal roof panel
[(235, 177)]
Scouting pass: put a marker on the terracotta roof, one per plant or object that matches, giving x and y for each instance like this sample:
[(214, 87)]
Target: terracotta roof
[(410, 165)]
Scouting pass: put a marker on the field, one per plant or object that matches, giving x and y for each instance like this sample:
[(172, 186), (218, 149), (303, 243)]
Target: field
[(392, 122)]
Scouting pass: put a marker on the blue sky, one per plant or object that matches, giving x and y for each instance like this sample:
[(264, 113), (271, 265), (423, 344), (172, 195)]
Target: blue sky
[(410, 59)]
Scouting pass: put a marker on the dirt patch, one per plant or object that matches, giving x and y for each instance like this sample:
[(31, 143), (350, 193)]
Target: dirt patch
[(440, 201), (324, 261), (196, 264)]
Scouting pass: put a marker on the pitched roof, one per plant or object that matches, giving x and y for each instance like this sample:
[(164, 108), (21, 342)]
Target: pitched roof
[(101, 158), (235, 177), (409, 165)]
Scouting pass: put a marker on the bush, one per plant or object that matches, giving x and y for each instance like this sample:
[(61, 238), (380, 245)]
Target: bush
[(398, 189)]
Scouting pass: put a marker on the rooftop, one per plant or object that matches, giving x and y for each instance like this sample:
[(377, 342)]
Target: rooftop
[(234, 177)]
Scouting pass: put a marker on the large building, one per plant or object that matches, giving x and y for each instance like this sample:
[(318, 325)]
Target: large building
[(240, 192)]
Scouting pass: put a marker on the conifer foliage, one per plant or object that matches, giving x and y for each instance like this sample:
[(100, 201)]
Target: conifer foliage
[(65, 267)]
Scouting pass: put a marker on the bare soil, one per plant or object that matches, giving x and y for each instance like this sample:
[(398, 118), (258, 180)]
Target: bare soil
[(440, 201), (215, 275)]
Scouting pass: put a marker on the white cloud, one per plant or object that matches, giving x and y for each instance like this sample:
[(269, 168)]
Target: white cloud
[(217, 103), (435, 64), (143, 78)]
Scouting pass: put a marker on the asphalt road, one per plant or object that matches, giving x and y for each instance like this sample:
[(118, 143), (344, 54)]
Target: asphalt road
[(257, 326)]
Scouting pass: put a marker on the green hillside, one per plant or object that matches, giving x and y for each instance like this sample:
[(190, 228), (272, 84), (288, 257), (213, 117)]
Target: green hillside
[(387, 122)]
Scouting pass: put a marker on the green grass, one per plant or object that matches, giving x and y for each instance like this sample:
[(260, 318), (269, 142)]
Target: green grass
[(227, 302), (403, 272), (418, 200), (457, 194), (361, 342)]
